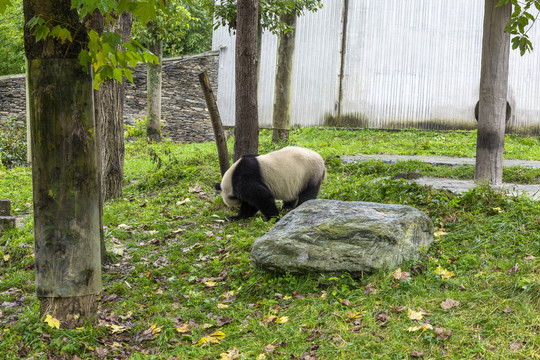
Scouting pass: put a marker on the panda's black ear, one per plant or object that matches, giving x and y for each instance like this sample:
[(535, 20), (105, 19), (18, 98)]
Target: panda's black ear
[(217, 186)]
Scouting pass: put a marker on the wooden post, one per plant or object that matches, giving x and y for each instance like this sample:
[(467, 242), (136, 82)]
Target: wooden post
[(221, 141), (6, 220), (5, 207)]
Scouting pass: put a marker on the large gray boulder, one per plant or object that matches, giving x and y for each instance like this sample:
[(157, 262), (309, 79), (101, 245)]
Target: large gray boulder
[(335, 237)]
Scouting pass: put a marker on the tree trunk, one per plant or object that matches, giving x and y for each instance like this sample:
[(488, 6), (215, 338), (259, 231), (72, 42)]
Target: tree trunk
[(110, 119), (493, 93), (221, 141), (64, 169), (153, 94), (281, 121), (246, 129)]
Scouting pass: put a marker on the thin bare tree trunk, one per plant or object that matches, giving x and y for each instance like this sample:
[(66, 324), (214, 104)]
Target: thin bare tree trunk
[(493, 93), (153, 95), (221, 141), (246, 128), (281, 121)]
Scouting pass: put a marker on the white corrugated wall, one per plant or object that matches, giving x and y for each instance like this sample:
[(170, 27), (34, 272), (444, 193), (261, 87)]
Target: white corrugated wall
[(407, 63)]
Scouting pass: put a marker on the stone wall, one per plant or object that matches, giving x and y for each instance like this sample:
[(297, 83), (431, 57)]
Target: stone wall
[(184, 113), (13, 97)]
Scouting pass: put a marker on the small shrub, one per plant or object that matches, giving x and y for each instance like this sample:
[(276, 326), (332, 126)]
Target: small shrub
[(136, 131), (12, 142)]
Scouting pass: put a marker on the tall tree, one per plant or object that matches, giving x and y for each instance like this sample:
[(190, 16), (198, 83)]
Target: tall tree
[(270, 17), (281, 118), (64, 167), (153, 86), (493, 93), (110, 118), (246, 129)]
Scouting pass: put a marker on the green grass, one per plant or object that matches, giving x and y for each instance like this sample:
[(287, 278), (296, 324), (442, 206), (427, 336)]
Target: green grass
[(183, 266)]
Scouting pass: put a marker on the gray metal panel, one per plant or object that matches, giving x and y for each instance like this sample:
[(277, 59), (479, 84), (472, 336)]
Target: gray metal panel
[(407, 63)]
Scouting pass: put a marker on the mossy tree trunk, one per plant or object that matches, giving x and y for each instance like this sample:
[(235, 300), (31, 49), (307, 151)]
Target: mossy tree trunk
[(281, 120), (153, 90), (493, 93), (64, 169), (246, 128)]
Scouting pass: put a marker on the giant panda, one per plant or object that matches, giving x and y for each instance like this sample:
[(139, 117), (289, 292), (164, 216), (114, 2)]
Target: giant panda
[(292, 174)]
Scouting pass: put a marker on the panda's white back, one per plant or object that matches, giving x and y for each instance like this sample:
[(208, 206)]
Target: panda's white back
[(287, 171)]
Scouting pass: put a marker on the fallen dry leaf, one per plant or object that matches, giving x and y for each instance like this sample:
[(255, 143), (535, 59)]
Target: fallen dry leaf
[(529, 257), (401, 275), (417, 354), (513, 269), (52, 322), (445, 274), (416, 315), (449, 303), (369, 289), (231, 354), (443, 334), (423, 327), (515, 346)]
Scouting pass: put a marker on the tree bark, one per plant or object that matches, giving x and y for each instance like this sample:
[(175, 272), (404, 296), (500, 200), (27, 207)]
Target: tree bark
[(110, 119), (64, 169), (493, 93), (281, 121), (153, 93), (246, 128), (221, 141)]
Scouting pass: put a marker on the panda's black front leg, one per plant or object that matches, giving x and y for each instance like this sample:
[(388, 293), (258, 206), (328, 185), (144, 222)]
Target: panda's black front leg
[(256, 196), (246, 211)]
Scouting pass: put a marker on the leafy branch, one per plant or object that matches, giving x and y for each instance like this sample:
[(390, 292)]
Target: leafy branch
[(270, 12), (521, 21)]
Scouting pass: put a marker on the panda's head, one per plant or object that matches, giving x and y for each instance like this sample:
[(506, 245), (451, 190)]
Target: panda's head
[(226, 188)]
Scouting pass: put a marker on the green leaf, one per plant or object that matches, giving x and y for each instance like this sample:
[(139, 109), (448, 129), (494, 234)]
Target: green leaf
[(111, 38), (84, 58), (61, 33), (117, 74), (145, 11), (128, 74), (41, 32)]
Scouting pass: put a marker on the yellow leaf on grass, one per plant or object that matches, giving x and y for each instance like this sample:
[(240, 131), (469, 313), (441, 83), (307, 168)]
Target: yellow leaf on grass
[(416, 315), (420, 327), (183, 329), (445, 274), (215, 337), (261, 357), (222, 306), (439, 233), (206, 340), (218, 334), (117, 328), (210, 283), (6, 258), (230, 355), (52, 322), (282, 320)]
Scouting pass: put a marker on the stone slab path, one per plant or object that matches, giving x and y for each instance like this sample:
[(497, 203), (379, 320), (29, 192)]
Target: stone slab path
[(455, 186)]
